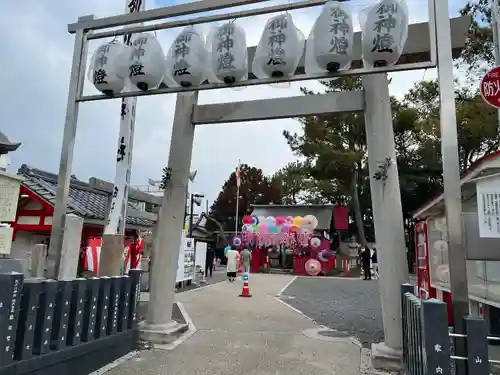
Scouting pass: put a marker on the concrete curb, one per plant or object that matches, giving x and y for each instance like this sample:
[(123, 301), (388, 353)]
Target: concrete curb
[(189, 332)]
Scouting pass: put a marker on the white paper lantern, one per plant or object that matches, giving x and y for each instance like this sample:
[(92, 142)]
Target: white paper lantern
[(109, 67), (147, 63), (329, 46), (279, 50), (186, 60), (384, 28), (227, 54)]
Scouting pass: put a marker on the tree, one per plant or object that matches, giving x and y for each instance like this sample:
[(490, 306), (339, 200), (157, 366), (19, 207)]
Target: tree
[(293, 182), (335, 148), (478, 53), (255, 188), (477, 123)]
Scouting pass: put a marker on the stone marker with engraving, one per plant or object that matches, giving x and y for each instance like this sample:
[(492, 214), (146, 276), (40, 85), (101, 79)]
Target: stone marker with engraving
[(45, 317), (10, 300), (27, 319)]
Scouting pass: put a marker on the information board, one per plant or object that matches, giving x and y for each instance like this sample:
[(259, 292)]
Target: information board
[(186, 263), (9, 196)]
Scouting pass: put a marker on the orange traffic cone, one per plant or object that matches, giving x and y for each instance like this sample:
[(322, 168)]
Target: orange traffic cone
[(246, 288)]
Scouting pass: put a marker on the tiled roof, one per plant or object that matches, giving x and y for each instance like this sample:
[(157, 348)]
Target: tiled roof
[(83, 200)]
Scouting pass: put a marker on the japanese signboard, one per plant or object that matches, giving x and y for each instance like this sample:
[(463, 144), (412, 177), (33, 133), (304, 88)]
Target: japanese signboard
[(490, 87)]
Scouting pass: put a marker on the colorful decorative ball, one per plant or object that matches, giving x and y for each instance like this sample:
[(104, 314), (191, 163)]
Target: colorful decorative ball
[(315, 242), (270, 221), (236, 241), (261, 220), (310, 221), (255, 228), (324, 256), (294, 229), (280, 220), (245, 276), (263, 228), (255, 220), (297, 221), (247, 228), (273, 229), (289, 219), (247, 219)]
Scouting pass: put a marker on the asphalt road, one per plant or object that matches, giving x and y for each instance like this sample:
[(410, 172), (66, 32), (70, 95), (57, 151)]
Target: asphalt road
[(351, 306)]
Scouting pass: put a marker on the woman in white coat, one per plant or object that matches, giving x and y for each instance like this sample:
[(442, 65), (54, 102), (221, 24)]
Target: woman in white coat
[(232, 263)]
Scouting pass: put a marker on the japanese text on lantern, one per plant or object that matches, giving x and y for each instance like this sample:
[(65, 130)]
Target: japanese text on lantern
[(99, 75), (181, 51), (383, 27), (339, 29), (225, 44), (276, 40), (136, 68)]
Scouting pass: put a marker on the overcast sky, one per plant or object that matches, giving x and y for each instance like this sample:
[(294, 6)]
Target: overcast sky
[(36, 59)]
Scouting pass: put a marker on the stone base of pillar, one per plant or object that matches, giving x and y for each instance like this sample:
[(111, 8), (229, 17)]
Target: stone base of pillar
[(161, 334), (386, 358)]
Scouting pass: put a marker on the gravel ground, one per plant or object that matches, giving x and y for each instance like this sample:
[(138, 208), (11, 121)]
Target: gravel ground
[(351, 306)]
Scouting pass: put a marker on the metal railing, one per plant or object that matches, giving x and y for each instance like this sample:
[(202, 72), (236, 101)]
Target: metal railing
[(428, 343)]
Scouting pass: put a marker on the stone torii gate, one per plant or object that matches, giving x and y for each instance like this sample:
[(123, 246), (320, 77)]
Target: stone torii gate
[(421, 52)]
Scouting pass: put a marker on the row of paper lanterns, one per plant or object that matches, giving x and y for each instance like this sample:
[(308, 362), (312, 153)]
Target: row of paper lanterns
[(222, 58)]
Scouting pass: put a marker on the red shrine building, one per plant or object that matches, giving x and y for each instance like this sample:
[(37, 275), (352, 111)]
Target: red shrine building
[(90, 200)]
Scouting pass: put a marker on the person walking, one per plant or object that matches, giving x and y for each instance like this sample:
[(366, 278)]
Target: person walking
[(209, 262), (375, 264), (365, 261), (246, 257), (232, 264)]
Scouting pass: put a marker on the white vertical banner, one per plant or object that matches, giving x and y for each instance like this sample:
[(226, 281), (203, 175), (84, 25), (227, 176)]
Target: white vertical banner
[(118, 209)]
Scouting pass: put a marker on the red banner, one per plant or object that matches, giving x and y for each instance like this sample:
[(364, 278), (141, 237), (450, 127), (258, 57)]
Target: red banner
[(341, 217)]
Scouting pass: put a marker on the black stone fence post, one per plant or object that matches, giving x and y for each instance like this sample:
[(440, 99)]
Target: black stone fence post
[(135, 295), (436, 337), (10, 300), (477, 345)]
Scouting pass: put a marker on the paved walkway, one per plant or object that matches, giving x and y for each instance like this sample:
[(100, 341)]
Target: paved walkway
[(246, 336)]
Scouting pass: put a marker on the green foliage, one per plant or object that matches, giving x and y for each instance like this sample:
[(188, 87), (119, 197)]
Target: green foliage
[(478, 53), (255, 188), (293, 182)]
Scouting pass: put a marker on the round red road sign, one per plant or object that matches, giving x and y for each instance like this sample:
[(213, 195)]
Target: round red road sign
[(490, 87)]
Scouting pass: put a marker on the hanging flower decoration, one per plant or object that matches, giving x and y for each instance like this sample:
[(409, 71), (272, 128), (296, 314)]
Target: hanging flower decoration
[(109, 67), (315, 242), (384, 28), (324, 256), (236, 241), (186, 59)]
